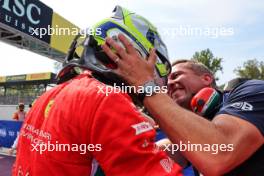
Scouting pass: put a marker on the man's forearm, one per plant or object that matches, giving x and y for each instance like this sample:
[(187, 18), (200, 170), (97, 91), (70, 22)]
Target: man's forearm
[(185, 126)]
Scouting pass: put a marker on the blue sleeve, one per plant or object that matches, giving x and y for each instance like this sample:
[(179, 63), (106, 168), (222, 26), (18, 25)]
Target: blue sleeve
[(247, 102)]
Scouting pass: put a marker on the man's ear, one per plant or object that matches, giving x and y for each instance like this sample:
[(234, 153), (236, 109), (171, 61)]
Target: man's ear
[(207, 79)]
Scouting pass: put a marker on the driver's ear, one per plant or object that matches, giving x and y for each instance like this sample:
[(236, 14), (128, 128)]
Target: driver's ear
[(207, 79)]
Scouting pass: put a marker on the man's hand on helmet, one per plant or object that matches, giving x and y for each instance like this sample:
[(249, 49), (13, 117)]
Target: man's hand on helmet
[(131, 66)]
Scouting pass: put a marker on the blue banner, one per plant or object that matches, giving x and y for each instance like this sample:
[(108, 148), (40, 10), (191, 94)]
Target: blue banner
[(8, 132)]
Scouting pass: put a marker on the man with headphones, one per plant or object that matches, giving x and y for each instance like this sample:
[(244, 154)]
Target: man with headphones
[(237, 117)]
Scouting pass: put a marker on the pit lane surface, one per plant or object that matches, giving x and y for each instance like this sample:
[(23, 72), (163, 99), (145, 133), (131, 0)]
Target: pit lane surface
[(6, 163)]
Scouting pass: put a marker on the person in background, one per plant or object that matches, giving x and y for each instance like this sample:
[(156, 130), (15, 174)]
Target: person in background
[(13, 147), (20, 114)]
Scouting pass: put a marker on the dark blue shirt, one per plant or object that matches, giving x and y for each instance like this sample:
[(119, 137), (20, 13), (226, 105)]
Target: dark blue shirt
[(246, 101)]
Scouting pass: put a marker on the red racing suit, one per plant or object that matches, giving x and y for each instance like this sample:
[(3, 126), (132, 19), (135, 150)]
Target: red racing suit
[(76, 122)]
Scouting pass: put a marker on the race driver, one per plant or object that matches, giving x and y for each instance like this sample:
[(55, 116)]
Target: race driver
[(78, 111)]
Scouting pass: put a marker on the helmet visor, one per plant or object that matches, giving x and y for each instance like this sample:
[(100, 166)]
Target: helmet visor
[(145, 28)]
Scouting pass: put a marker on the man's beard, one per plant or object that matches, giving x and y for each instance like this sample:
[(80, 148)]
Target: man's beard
[(186, 102)]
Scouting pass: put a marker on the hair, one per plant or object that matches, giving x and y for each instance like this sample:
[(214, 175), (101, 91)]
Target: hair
[(21, 105), (197, 67)]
